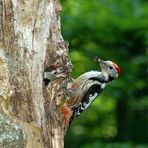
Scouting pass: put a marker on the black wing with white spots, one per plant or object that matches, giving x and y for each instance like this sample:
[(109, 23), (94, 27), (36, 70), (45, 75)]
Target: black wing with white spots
[(89, 97)]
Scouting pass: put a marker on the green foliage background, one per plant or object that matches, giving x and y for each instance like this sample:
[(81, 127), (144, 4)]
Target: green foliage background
[(114, 30)]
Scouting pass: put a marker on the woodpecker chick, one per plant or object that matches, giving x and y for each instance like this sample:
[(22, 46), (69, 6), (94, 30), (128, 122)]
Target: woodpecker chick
[(48, 76), (85, 89)]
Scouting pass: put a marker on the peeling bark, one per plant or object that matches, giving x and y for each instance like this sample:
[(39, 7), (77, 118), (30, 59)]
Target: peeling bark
[(30, 42)]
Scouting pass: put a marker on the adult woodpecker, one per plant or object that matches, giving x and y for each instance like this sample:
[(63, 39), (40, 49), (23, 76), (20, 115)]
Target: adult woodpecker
[(85, 89)]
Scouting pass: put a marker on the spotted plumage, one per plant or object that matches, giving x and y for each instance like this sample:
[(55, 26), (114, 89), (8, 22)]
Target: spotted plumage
[(88, 98)]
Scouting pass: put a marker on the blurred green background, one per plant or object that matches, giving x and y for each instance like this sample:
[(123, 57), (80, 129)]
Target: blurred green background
[(114, 30)]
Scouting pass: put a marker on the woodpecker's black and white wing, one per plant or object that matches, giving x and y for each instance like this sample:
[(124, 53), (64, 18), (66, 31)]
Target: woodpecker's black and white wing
[(91, 85)]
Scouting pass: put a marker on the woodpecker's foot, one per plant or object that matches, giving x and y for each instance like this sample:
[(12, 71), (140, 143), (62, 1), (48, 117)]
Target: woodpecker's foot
[(67, 112)]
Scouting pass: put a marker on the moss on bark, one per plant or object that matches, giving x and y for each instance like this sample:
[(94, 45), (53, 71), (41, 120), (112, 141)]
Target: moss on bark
[(11, 133)]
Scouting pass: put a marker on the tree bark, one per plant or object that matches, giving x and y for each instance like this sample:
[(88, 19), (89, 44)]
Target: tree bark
[(30, 42)]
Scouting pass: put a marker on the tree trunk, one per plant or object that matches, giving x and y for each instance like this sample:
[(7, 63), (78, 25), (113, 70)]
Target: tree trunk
[(30, 42)]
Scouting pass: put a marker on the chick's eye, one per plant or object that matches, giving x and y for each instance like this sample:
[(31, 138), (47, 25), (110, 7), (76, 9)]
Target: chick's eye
[(110, 67)]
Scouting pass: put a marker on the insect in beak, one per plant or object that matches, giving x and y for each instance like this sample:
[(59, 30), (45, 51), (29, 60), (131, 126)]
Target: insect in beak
[(97, 60)]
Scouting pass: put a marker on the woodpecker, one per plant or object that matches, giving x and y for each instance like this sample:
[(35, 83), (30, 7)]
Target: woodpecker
[(85, 89)]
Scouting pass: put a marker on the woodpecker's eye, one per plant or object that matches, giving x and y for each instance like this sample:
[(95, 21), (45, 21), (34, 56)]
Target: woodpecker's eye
[(110, 67)]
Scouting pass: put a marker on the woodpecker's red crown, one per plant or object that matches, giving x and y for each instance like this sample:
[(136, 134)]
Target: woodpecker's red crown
[(117, 68)]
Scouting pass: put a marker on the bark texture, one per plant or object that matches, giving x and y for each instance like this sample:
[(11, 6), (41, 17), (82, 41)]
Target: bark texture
[(30, 42)]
